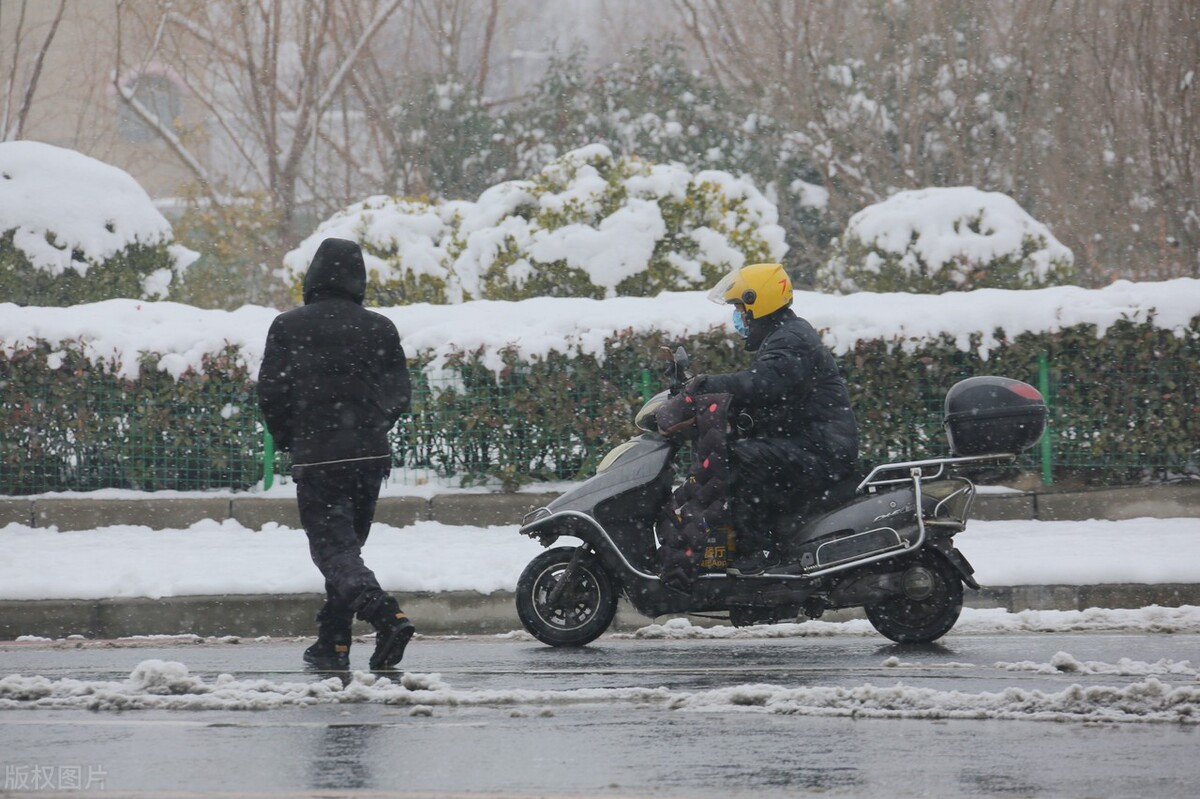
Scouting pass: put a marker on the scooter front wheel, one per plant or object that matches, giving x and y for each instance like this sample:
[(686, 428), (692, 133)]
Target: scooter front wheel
[(927, 606), (565, 605)]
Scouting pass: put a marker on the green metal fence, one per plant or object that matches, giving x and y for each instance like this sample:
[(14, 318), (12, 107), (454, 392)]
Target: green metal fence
[(86, 434), (83, 435)]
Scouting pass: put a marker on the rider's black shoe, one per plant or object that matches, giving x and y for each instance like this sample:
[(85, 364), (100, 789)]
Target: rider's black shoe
[(752, 563)]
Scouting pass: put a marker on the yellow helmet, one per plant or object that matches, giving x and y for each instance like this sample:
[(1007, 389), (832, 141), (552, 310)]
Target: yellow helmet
[(762, 288)]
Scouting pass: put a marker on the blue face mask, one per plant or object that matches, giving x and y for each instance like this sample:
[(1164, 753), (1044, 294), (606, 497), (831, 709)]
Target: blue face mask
[(739, 323)]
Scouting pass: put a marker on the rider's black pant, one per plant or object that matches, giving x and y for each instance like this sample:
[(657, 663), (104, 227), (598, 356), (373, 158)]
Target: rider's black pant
[(772, 478)]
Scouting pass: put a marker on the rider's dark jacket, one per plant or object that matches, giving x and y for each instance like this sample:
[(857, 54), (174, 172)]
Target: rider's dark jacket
[(800, 424), (334, 377)]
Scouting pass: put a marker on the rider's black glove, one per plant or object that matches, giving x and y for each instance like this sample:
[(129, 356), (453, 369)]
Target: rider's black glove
[(695, 386)]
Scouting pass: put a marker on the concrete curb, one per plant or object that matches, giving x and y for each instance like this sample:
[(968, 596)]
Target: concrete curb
[(454, 612), (436, 613), (1163, 501)]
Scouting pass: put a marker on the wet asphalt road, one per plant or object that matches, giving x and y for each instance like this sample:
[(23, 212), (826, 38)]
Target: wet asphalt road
[(606, 748)]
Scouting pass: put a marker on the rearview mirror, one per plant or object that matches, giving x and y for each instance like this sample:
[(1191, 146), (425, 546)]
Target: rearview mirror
[(681, 361)]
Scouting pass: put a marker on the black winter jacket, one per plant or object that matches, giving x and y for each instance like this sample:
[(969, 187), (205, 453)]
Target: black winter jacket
[(793, 393), (334, 377)]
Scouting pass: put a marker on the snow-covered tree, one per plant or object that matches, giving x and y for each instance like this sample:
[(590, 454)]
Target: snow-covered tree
[(1082, 110), (652, 104), (74, 230), (935, 240), (590, 224)]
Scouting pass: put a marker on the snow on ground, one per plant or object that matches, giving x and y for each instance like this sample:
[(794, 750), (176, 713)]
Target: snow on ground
[(168, 685), (977, 621), (213, 557), (226, 558)]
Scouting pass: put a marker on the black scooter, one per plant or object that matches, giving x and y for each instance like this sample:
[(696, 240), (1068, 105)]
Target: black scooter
[(883, 542)]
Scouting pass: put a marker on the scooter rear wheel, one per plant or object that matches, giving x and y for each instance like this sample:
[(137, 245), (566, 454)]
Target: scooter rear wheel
[(927, 607), (577, 614)]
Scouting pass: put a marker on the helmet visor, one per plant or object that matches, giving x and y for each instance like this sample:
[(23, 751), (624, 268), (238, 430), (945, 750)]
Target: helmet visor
[(720, 292)]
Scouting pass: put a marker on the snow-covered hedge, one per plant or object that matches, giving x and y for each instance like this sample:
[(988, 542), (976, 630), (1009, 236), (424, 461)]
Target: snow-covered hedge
[(945, 239), (538, 389), (588, 225), (74, 229)]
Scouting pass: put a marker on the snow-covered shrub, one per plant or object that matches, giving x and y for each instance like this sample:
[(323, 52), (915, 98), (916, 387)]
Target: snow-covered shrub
[(408, 247), (935, 240), (542, 389), (604, 226), (75, 230), (588, 225), (651, 104)]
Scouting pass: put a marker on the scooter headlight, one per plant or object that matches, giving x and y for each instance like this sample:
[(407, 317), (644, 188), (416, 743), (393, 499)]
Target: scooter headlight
[(645, 417)]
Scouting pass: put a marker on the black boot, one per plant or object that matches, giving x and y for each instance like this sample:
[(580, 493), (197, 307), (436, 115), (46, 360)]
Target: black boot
[(331, 652), (392, 632), (754, 562), (755, 554), (328, 656)]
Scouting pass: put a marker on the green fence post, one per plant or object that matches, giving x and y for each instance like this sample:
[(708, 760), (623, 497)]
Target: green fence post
[(268, 459), (647, 389), (1044, 387)]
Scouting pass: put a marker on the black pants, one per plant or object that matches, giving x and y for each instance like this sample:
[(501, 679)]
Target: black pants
[(337, 503), (770, 479)]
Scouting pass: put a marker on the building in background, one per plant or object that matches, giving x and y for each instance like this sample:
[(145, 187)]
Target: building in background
[(190, 70)]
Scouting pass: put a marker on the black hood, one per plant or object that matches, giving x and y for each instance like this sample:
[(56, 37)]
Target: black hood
[(337, 270)]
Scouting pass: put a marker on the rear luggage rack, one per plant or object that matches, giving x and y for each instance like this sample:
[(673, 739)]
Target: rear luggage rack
[(915, 470)]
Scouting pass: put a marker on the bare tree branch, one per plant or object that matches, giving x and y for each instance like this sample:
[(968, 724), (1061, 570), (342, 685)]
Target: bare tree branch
[(151, 120), (31, 86), (486, 54), (10, 84), (335, 83)]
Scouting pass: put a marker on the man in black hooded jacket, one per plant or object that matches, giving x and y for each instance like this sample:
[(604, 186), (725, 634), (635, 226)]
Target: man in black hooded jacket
[(800, 433), (333, 382)]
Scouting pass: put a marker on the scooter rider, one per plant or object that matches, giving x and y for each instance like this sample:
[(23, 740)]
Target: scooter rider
[(797, 432)]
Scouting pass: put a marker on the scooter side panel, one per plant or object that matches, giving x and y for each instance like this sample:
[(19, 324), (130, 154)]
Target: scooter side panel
[(867, 526), (639, 465)]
